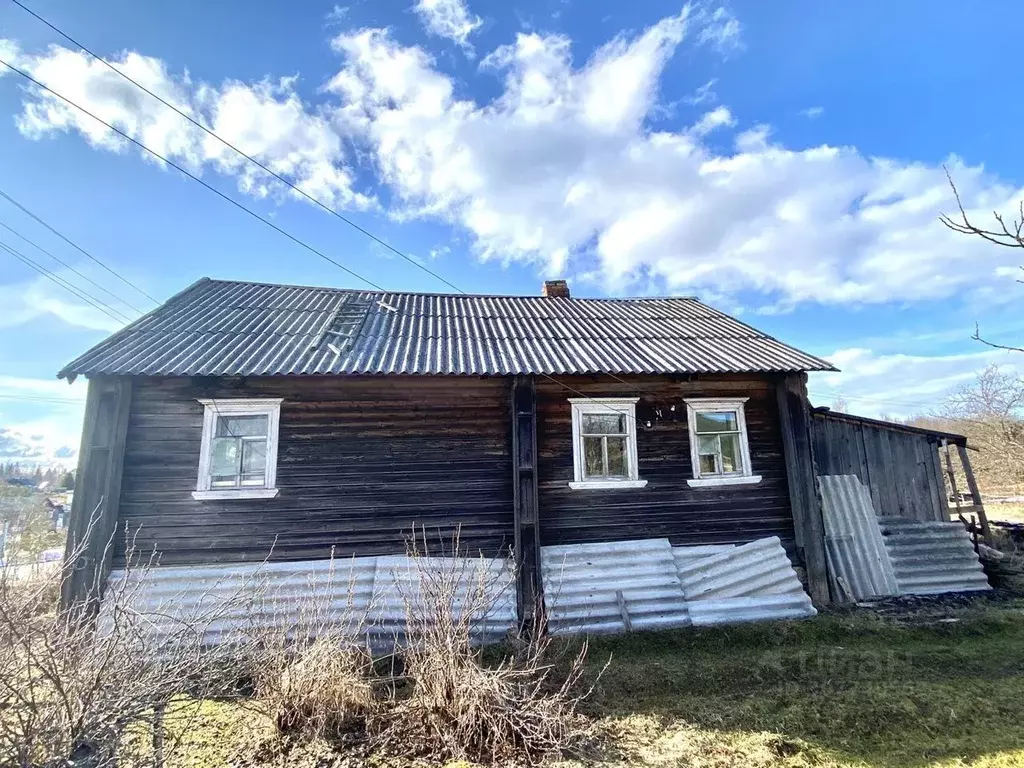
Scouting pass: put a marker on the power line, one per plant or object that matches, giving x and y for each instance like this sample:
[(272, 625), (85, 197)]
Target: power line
[(63, 263), (231, 146), (73, 244), (192, 176), (248, 210), (34, 399), (103, 307)]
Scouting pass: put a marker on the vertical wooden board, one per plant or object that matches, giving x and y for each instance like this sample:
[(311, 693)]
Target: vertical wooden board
[(939, 479), (927, 469), (868, 473), (903, 477), (881, 472)]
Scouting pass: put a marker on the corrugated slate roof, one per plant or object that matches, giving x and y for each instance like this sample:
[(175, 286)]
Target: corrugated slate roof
[(226, 328)]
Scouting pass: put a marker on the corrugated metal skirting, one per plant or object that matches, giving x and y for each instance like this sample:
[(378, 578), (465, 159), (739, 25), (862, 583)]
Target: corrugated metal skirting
[(871, 556), (858, 564), (630, 585), (367, 595)]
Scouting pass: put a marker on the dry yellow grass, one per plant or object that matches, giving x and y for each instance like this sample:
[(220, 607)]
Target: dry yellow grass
[(944, 690)]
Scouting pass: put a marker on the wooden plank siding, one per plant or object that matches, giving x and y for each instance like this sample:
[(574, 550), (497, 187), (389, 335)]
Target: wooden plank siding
[(667, 506), (900, 467), (361, 461)]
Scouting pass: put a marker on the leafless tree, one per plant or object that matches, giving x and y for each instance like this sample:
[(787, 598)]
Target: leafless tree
[(1007, 235), (990, 412)]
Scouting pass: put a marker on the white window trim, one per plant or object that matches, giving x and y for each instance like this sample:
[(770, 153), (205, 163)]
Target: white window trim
[(263, 406), (625, 405), (698, 405)]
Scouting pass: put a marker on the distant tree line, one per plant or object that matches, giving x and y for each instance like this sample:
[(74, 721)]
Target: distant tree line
[(57, 475)]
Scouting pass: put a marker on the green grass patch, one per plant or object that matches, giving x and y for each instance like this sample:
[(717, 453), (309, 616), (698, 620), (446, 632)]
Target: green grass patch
[(939, 687)]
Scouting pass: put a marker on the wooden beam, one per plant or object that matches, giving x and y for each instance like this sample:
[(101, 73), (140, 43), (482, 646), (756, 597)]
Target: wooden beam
[(952, 478), (972, 486), (526, 513), (92, 524), (801, 474)]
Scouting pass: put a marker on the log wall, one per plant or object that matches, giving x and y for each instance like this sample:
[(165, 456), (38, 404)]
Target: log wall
[(361, 461)]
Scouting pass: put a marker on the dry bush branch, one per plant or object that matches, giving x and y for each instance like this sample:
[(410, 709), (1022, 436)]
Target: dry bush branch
[(74, 683), (457, 706)]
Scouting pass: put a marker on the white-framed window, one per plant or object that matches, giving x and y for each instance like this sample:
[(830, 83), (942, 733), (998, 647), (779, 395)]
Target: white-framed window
[(719, 448), (604, 443), (238, 456)]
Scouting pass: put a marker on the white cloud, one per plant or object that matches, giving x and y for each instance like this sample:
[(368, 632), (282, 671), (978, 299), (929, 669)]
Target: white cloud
[(721, 30), (265, 119), (901, 384), (39, 297), (812, 113), (562, 169), (450, 19), (40, 419), (704, 94), (720, 117)]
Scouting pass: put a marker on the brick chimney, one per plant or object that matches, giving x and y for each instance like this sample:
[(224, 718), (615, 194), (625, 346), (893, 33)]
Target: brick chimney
[(555, 289)]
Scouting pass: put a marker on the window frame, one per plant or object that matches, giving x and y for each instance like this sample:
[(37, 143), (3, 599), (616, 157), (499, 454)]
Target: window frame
[(716, 404), (617, 405), (214, 407)]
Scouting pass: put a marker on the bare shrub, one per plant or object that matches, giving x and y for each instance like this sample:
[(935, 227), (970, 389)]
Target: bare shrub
[(459, 707), (72, 684), (310, 664), (326, 691)]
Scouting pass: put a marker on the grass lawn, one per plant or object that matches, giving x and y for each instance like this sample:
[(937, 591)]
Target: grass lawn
[(939, 687), (1009, 513)]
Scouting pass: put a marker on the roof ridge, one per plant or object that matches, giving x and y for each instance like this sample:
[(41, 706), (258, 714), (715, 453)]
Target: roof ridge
[(464, 295)]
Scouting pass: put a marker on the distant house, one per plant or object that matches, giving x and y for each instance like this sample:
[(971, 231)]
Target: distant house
[(241, 420)]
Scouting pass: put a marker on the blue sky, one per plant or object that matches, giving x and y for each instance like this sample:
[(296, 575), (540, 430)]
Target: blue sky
[(782, 161)]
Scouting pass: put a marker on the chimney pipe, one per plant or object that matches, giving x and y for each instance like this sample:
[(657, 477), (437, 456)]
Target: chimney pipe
[(555, 289)]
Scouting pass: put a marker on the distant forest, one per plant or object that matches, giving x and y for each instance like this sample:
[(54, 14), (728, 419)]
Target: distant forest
[(57, 475)]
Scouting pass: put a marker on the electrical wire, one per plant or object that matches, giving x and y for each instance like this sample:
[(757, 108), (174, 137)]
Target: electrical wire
[(67, 266), (30, 398), (73, 289), (75, 245), (192, 176), (244, 208), (234, 148)]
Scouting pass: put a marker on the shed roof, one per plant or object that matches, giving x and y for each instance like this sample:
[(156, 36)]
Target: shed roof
[(231, 328)]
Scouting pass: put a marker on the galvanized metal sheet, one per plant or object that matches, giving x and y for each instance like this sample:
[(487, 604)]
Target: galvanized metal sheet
[(615, 586), (858, 562), (758, 568), (612, 587), (367, 596), (234, 328), (736, 610), (930, 558)]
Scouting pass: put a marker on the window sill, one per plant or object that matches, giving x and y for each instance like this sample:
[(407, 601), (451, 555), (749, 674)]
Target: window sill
[(235, 493), (718, 482), (587, 485)]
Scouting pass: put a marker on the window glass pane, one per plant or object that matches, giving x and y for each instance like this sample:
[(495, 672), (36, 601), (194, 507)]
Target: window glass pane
[(593, 460), (254, 459), (604, 424), (731, 461), (241, 426), (707, 444), (617, 462), (717, 421), (707, 464), (224, 458)]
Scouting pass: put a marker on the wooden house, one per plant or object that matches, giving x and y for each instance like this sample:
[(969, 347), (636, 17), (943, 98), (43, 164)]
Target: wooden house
[(240, 421)]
